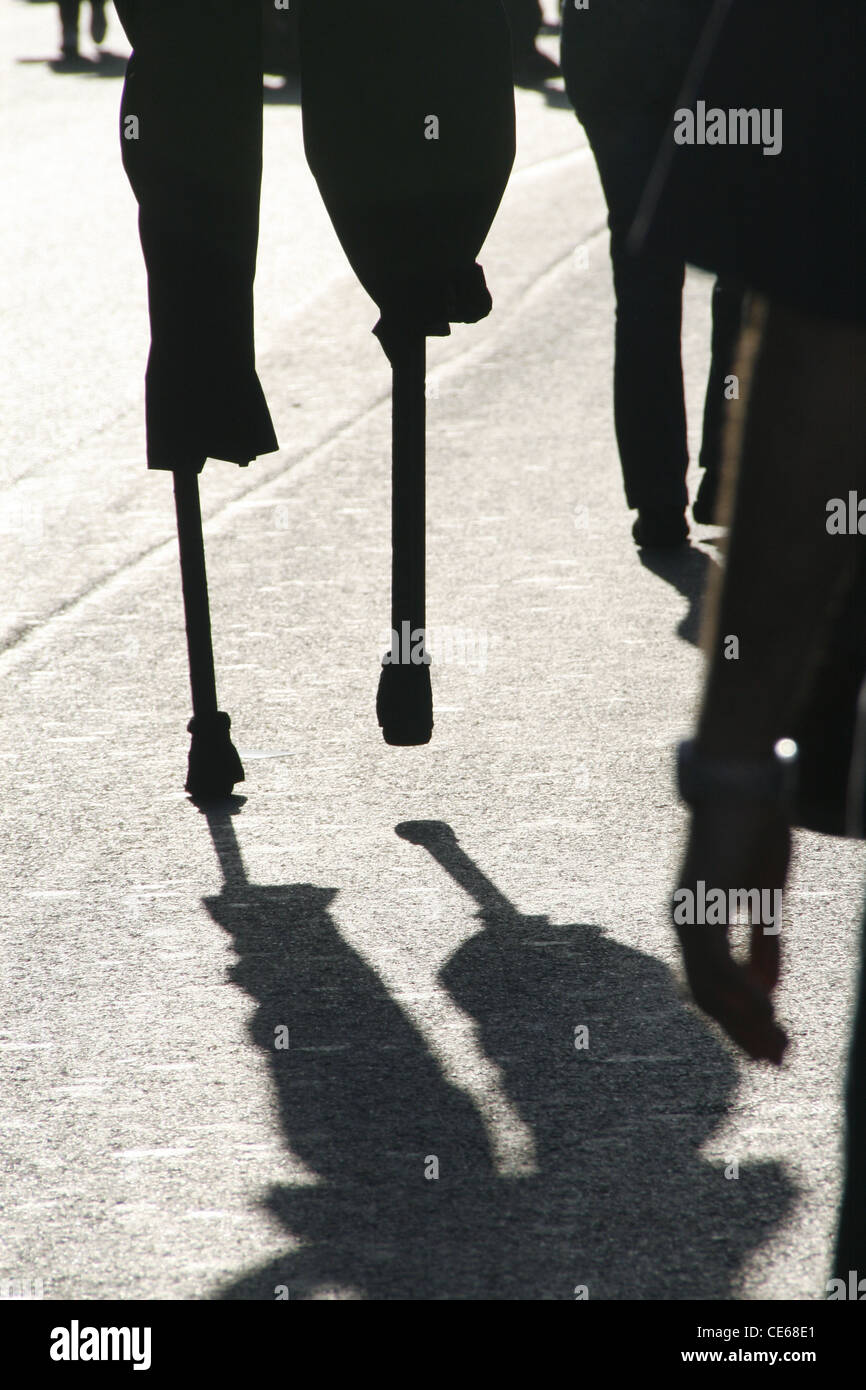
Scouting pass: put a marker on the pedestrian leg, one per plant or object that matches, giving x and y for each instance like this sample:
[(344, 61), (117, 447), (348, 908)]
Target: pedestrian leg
[(531, 66), (722, 387), (98, 24), (69, 27), (649, 399)]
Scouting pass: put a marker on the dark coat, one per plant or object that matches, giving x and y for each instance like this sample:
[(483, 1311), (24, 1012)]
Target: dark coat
[(409, 130), (191, 138), (628, 56), (792, 225)]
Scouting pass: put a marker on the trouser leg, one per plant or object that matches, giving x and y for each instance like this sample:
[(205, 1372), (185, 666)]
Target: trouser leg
[(649, 400), (727, 308), (69, 18), (524, 18)]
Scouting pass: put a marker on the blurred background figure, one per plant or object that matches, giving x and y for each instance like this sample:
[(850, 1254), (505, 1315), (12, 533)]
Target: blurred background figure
[(624, 66), (794, 588), (69, 17), (531, 66)]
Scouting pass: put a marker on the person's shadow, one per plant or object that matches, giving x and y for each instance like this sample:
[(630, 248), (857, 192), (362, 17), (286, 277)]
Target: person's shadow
[(553, 95), (102, 64), (687, 569), (409, 1202)]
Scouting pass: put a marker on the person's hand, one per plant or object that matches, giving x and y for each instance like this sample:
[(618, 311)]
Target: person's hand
[(735, 847)]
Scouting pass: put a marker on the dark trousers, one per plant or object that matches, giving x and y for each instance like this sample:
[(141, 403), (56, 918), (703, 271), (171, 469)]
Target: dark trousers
[(649, 402), (69, 12), (524, 17)]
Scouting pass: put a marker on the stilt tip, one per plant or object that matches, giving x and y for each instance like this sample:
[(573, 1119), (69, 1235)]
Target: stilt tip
[(404, 704), (214, 765)]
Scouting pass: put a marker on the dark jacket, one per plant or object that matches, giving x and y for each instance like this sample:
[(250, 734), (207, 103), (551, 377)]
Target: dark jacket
[(409, 129), (628, 55), (191, 139), (792, 224)]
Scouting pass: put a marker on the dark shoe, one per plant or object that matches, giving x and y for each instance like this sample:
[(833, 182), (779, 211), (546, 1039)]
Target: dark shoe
[(533, 67), (704, 505), (98, 25), (664, 528)]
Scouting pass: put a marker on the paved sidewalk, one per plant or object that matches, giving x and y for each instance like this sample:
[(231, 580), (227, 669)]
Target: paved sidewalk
[(160, 1141)]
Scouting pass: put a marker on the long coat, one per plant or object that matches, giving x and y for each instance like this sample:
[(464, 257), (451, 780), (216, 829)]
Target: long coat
[(628, 55), (791, 224), (409, 130), (191, 138)]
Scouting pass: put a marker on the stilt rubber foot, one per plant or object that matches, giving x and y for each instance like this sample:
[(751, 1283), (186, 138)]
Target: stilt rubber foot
[(404, 704), (214, 766)]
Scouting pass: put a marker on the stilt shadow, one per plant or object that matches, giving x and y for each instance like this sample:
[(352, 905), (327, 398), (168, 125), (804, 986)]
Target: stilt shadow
[(619, 1201)]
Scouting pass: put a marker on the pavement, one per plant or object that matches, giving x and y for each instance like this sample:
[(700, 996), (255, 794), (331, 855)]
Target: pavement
[(398, 1023)]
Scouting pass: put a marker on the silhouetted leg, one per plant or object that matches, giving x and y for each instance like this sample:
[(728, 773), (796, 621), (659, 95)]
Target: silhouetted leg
[(530, 64), (649, 399), (524, 19), (214, 766), (404, 704), (727, 320), (69, 24), (98, 23)]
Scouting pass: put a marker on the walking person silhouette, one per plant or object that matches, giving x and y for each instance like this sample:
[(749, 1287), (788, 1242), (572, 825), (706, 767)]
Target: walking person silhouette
[(624, 65), (69, 20), (781, 734), (531, 66)]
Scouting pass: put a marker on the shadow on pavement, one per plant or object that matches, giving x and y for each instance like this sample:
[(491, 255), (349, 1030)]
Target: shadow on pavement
[(688, 570), (103, 65), (554, 96), (114, 65), (621, 1200)]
